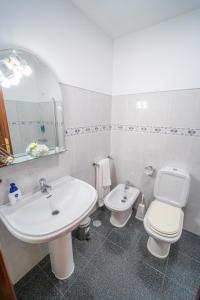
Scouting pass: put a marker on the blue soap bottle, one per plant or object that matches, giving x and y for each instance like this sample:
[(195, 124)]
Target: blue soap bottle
[(14, 194)]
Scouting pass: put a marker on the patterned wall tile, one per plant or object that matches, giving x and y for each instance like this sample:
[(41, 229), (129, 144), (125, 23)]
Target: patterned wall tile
[(134, 128), (87, 129)]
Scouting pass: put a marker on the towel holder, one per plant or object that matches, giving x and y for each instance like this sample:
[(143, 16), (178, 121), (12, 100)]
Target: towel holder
[(97, 165)]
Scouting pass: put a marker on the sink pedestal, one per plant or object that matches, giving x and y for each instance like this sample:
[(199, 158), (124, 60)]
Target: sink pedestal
[(61, 256)]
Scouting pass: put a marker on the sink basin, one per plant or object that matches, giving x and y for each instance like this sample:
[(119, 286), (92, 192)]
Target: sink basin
[(43, 217)]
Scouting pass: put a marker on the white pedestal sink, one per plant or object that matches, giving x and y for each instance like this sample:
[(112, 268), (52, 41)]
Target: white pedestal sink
[(50, 218)]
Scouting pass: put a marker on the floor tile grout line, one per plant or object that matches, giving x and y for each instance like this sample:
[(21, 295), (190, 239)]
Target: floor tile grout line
[(165, 273), (103, 235), (138, 233), (137, 259), (106, 238), (190, 257), (27, 281), (49, 279), (115, 244), (86, 258), (145, 263), (95, 252), (75, 279), (166, 266), (88, 262), (99, 271), (140, 236), (177, 282), (181, 285)]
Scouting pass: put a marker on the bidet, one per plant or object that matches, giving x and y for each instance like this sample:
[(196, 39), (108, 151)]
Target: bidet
[(120, 201)]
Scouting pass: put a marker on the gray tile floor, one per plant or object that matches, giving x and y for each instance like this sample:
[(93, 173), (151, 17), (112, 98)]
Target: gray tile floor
[(115, 264)]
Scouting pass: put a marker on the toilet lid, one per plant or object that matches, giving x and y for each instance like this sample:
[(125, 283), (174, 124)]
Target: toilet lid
[(164, 218)]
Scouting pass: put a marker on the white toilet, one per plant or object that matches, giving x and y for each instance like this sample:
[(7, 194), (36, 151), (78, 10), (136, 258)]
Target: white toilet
[(120, 201), (164, 218)]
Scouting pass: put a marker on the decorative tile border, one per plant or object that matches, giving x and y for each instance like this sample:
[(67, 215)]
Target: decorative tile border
[(134, 128), (14, 123), (125, 127), (87, 129), (158, 130)]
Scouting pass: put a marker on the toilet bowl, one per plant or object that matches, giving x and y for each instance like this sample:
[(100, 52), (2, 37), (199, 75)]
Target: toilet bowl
[(120, 202), (164, 227), (163, 220)]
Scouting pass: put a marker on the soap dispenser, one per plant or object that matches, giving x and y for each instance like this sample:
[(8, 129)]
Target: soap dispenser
[(14, 194)]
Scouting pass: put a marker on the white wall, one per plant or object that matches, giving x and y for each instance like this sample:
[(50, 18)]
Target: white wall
[(76, 49), (159, 58)]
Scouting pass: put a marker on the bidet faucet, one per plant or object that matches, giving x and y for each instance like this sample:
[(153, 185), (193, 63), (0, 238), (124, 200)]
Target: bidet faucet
[(127, 184), (43, 185)]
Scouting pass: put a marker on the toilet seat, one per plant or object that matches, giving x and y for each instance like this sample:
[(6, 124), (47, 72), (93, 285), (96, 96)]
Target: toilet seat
[(164, 219)]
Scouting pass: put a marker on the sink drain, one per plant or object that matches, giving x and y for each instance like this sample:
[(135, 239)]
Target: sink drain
[(55, 212), (124, 199)]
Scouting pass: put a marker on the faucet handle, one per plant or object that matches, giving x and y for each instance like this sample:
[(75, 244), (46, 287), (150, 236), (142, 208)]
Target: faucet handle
[(127, 182)]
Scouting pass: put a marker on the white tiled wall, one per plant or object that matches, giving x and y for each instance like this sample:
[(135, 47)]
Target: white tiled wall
[(135, 143), (82, 108)]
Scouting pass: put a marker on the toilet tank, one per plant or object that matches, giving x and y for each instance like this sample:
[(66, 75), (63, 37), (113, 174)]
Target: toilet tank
[(172, 186)]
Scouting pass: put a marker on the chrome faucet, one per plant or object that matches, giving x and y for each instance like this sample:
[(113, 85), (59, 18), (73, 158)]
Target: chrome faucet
[(43, 185), (127, 185)]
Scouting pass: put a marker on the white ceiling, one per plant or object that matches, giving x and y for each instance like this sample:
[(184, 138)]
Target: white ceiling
[(119, 17)]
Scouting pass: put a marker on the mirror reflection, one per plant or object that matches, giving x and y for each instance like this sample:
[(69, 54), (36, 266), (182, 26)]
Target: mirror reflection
[(31, 108)]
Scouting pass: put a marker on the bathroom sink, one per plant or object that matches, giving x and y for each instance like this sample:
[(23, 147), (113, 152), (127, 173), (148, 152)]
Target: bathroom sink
[(50, 217), (41, 217)]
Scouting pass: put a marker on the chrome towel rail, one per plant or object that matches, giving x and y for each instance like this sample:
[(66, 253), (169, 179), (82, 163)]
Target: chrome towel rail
[(97, 165)]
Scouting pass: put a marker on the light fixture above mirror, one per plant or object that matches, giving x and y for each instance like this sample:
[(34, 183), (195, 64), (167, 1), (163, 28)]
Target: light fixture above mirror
[(12, 69)]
